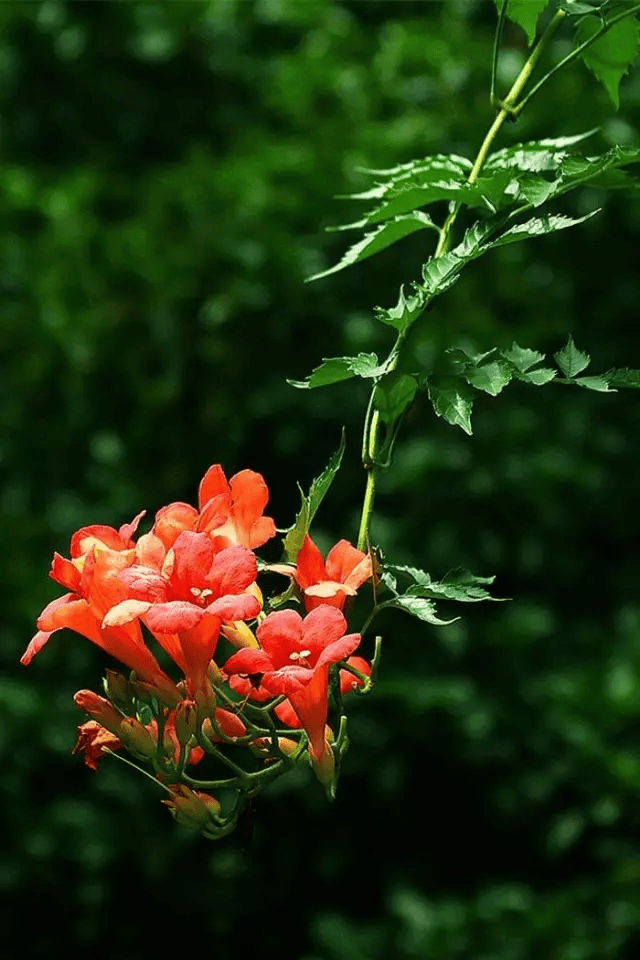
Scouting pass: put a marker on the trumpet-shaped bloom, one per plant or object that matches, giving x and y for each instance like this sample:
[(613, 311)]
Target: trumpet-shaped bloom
[(196, 590), (294, 660), (93, 579), (345, 570), (233, 509)]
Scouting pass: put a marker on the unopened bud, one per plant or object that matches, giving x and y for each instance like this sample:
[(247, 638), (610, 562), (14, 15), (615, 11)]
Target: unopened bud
[(186, 721), (134, 735), (192, 809), (324, 767), (263, 746), (100, 709), (239, 634), (117, 687)]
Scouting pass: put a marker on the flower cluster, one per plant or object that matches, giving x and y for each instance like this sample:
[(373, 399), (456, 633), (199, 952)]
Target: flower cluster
[(189, 588)]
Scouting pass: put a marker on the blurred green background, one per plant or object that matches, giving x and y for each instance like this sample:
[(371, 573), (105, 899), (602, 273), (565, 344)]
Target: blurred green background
[(166, 174)]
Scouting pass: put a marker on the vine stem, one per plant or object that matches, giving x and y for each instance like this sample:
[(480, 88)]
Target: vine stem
[(576, 53), (507, 109)]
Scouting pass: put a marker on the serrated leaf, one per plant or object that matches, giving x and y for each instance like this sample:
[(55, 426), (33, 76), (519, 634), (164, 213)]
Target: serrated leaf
[(536, 189), (389, 581), (525, 13), (521, 357), (441, 162), (539, 226), (420, 608), (296, 534), (576, 8), (453, 403), (539, 376), (393, 394), (536, 155), (404, 313), (623, 378), (490, 377), (335, 369), (379, 240), (611, 55), (571, 360), (418, 576), (440, 273), (599, 383)]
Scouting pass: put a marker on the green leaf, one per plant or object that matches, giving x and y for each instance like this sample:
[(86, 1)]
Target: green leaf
[(571, 360), (490, 377), (611, 55), (461, 584), (623, 378), (393, 394), (404, 313), (420, 608), (521, 357), (539, 226), (535, 155), (296, 534), (458, 584), (525, 13), (578, 8), (539, 376), (378, 240), (453, 401), (335, 369), (599, 383)]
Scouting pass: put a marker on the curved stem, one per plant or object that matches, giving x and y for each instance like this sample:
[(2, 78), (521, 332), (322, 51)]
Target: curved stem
[(508, 108), (576, 53)]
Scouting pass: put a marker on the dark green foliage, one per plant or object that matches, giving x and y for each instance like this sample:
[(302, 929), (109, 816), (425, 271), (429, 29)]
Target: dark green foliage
[(165, 178)]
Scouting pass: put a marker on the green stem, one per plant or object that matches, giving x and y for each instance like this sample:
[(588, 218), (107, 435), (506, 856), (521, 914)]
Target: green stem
[(496, 49), (507, 108), (576, 53)]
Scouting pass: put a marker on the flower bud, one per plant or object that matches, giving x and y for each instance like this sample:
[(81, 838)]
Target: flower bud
[(239, 634), (117, 687), (100, 709), (192, 809), (324, 767), (263, 747), (185, 721), (135, 736)]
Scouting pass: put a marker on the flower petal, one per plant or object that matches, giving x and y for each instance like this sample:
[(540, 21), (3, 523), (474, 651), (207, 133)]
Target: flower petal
[(279, 634), (212, 485), (342, 560), (322, 627), (339, 649), (309, 564), (172, 520), (230, 608), (127, 530), (65, 573), (173, 616), (248, 661), (143, 583), (125, 612), (232, 570), (41, 637)]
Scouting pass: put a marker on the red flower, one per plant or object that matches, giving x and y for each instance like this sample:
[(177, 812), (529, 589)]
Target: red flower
[(197, 588), (232, 510), (93, 578), (294, 660), (346, 569)]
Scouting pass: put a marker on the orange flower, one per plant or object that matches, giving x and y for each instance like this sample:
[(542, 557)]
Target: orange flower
[(232, 509), (345, 570), (93, 579)]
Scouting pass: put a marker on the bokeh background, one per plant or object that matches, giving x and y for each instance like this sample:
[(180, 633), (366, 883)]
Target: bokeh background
[(166, 174)]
